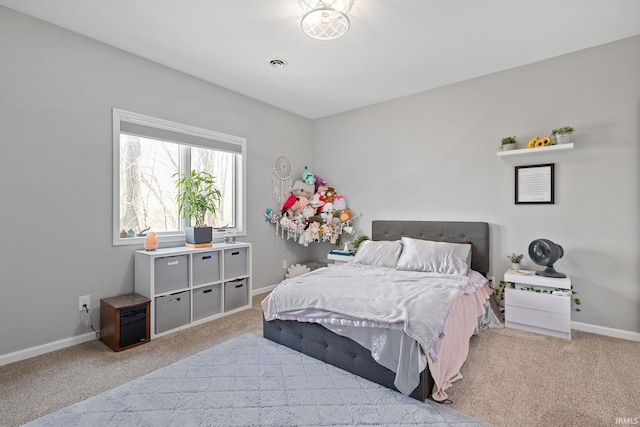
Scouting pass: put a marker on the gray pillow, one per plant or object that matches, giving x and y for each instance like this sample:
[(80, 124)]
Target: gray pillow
[(434, 257), (382, 253)]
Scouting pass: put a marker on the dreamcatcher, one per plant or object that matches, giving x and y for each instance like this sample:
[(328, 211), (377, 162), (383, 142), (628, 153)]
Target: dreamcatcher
[(280, 178)]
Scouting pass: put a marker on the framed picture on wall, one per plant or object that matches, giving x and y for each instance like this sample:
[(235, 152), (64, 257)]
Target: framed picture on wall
[(534, 184)]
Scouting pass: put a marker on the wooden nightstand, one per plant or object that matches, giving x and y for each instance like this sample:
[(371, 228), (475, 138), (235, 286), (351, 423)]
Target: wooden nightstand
[(544, 313), (125, 321)]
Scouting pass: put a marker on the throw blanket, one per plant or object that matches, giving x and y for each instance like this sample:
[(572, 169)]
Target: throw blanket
[(354, 294)]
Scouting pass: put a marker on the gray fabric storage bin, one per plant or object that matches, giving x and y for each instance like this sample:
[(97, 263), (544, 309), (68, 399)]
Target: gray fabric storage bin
[(236, 294), (172, 311), (171, 273), (205, 267), (235, 263), (206, 301)]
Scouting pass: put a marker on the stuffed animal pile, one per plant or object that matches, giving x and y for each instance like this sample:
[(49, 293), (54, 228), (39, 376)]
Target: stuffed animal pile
[(314, 212)]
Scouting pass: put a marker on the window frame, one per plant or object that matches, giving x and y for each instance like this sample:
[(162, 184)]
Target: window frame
[(190, 132)]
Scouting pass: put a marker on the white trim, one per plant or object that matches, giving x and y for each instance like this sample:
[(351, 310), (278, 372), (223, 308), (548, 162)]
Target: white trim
[(603, 330), (240, 198), (28, 353), (263, 290)]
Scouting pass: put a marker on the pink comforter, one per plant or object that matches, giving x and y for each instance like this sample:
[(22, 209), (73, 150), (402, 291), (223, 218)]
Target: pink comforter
[(455, 345)]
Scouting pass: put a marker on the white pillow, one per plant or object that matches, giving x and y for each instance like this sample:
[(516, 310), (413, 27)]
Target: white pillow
[(434, 257), (378, 253)]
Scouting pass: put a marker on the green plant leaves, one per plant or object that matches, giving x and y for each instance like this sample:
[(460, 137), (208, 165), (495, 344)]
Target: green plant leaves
[(198, 194)]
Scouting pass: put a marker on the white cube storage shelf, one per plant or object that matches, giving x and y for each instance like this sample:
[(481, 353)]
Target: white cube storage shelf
[(539, 312), (188, 286)]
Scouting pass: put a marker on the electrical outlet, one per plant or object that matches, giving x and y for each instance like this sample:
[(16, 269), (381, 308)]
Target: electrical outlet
[(84, 300), (284, 264)]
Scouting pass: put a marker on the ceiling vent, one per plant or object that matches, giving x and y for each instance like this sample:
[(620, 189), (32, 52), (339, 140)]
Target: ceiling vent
[(278, 62)]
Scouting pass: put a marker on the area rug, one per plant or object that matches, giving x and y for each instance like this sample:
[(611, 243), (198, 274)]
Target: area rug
[(251, 381)]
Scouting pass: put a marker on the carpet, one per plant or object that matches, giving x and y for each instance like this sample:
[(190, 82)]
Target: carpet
[(251, 381)]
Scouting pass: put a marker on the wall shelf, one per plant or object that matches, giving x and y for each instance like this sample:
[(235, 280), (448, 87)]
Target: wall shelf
[(525, 151)]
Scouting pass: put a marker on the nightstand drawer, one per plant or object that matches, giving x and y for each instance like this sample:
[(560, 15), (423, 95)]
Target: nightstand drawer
[(538, 301), (525, 316)]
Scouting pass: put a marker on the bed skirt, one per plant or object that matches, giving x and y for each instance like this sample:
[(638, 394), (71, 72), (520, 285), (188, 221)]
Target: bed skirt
[(317, 341)]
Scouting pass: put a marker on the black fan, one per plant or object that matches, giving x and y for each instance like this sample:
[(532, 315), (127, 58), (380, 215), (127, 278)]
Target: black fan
[(545, 252)]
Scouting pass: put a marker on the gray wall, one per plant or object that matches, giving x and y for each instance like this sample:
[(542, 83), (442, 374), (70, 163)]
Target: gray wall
[(428, 156), (432, 156), (57, 90)]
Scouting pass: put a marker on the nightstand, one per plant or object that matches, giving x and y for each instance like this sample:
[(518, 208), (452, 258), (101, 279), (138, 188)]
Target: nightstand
[(339, 258), (542, 312)]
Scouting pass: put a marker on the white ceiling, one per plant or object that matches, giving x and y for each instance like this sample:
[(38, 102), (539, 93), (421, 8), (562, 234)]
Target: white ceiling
[(394, 47)]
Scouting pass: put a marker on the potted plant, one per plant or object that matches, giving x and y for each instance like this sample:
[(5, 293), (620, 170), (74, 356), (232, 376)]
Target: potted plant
[(515, 261), (562, 135), (358, 241), (508, 143), (197, 195)]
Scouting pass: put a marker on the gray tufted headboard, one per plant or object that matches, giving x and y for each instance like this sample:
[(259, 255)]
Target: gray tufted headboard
[(440, 231)]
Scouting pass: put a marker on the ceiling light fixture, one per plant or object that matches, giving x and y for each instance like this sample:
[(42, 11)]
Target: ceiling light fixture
[(325, 19)]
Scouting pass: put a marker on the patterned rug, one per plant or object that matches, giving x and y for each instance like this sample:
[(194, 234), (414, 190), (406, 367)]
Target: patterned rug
[(251, 381)]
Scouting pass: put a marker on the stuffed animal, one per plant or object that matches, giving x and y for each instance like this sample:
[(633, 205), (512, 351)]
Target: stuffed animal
[(288, 203), (317, 200), (327, 212), (293, 227), (284, 222), (319, 183), (327, 232), (314, 228), (308, 177), (345, 215), (305, 238), (329, 195), (339, 203), (301, 189), (308, 211), (297, 207), (315, 218)]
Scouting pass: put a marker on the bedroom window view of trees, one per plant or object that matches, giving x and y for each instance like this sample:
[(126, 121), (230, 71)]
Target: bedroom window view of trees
[(149, 157), (147, 183)]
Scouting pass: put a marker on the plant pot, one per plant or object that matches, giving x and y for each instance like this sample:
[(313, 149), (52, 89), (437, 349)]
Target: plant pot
[(507, 147), (199, 235), (515, 266), (563, 138)]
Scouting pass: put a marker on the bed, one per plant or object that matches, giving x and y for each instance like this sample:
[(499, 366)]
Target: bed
[(321, 343)]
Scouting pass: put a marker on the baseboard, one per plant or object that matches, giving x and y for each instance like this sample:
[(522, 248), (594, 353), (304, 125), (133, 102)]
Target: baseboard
[(603, 330), (263, 290), (5, 359)]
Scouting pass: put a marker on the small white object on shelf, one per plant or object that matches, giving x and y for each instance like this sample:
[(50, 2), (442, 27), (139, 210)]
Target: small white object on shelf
[(524, 151), (340, 258), (524, 272)]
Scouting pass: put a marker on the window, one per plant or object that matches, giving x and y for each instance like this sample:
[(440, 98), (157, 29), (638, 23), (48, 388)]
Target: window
[(148, 153)]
